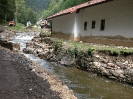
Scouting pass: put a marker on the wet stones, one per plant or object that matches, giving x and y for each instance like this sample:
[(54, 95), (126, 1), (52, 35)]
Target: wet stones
[(67, 60)]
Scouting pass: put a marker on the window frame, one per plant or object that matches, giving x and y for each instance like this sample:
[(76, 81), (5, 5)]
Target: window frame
[(85, 26), (102, 27), (93, 24)]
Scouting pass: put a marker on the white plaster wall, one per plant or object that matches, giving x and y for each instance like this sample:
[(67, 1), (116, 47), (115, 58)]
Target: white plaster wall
[(64, 24), (118, 15)]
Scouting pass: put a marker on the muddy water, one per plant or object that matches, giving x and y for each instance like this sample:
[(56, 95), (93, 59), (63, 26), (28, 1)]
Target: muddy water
[(85, 85)]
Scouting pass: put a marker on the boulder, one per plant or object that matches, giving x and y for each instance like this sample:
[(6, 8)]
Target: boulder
[(104, 71), (67, 60), (117, 73)]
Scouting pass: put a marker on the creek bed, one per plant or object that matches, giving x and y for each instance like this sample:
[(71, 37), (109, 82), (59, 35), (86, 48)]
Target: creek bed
[(85, 85)]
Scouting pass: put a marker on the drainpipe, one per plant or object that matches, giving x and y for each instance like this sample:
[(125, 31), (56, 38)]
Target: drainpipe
[(76, 30)]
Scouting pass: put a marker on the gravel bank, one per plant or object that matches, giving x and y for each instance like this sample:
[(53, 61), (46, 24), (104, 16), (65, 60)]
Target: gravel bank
[(21, 78)]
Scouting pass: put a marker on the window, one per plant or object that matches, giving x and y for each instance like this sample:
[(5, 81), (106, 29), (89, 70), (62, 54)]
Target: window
[(102, 24), (93, 24), (85, 25)]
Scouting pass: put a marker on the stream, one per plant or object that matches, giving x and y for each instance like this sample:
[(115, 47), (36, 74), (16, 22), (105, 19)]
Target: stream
[(85, 85)]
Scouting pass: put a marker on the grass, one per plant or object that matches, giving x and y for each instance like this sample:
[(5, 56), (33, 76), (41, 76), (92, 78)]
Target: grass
[(112, 50), (22, 28), (18, 27)]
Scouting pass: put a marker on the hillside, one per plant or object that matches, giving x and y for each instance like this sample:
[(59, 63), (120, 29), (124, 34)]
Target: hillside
[(37, 5), (55, 6)]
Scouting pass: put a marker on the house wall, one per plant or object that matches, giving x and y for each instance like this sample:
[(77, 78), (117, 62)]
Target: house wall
[(118, 30), (118, 17), (64, 24)]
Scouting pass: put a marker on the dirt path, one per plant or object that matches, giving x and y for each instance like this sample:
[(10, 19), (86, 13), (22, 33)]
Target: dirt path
[(21, 78)]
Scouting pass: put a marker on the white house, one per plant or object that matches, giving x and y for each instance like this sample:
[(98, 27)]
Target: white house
[(96, 21)]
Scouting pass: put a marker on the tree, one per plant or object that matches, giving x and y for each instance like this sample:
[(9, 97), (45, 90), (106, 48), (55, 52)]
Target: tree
[(71, 3), (7, 9), (28, 15), (20, 6), (55, 6)]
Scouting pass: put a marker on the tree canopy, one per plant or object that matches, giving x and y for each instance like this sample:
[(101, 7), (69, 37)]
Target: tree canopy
[(7, 9), (55, 6), (30, 10)]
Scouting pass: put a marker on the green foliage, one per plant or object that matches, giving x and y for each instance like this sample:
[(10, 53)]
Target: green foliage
[(45, 33), (74, 52), (16, 10), (28, 15), (71, 3), (20, 6), (7, 9), (87, 50), (55, 6), (18, 26), (90, 50), (37, 5), (58, 47)]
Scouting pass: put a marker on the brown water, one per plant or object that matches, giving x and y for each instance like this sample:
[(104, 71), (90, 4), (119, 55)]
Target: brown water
[(85, 85)]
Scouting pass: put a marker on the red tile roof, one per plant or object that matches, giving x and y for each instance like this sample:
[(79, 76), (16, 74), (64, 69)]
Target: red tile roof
[(75, 8)]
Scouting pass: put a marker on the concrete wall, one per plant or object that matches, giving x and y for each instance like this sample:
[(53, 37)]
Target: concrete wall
[(118, 17)]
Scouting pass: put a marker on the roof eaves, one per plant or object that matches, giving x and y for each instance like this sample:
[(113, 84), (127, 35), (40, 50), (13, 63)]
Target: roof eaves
[(58, 15)]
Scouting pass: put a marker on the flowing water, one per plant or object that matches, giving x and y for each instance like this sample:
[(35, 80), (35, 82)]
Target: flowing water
[(85, 85)]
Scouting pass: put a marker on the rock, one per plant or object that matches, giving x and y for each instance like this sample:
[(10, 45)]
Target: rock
[(104, 71), (112, 77), (111, 64), (126, 62), (128, 72), (115, 73), (122, 76), (67, 60), (104, 60), (2, 29), (16, 46), (119, 71), (39, 51), (131, 72), (97, 56), (28, 50), (97, 64), (6, 44)]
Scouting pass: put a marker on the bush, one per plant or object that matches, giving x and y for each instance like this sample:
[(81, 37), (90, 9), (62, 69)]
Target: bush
[(58, 47)]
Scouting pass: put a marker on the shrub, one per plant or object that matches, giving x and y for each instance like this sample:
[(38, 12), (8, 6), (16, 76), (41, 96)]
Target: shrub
[(58, 47)]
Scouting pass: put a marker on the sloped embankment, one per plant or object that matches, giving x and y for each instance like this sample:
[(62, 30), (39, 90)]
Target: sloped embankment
[(101, 63)]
